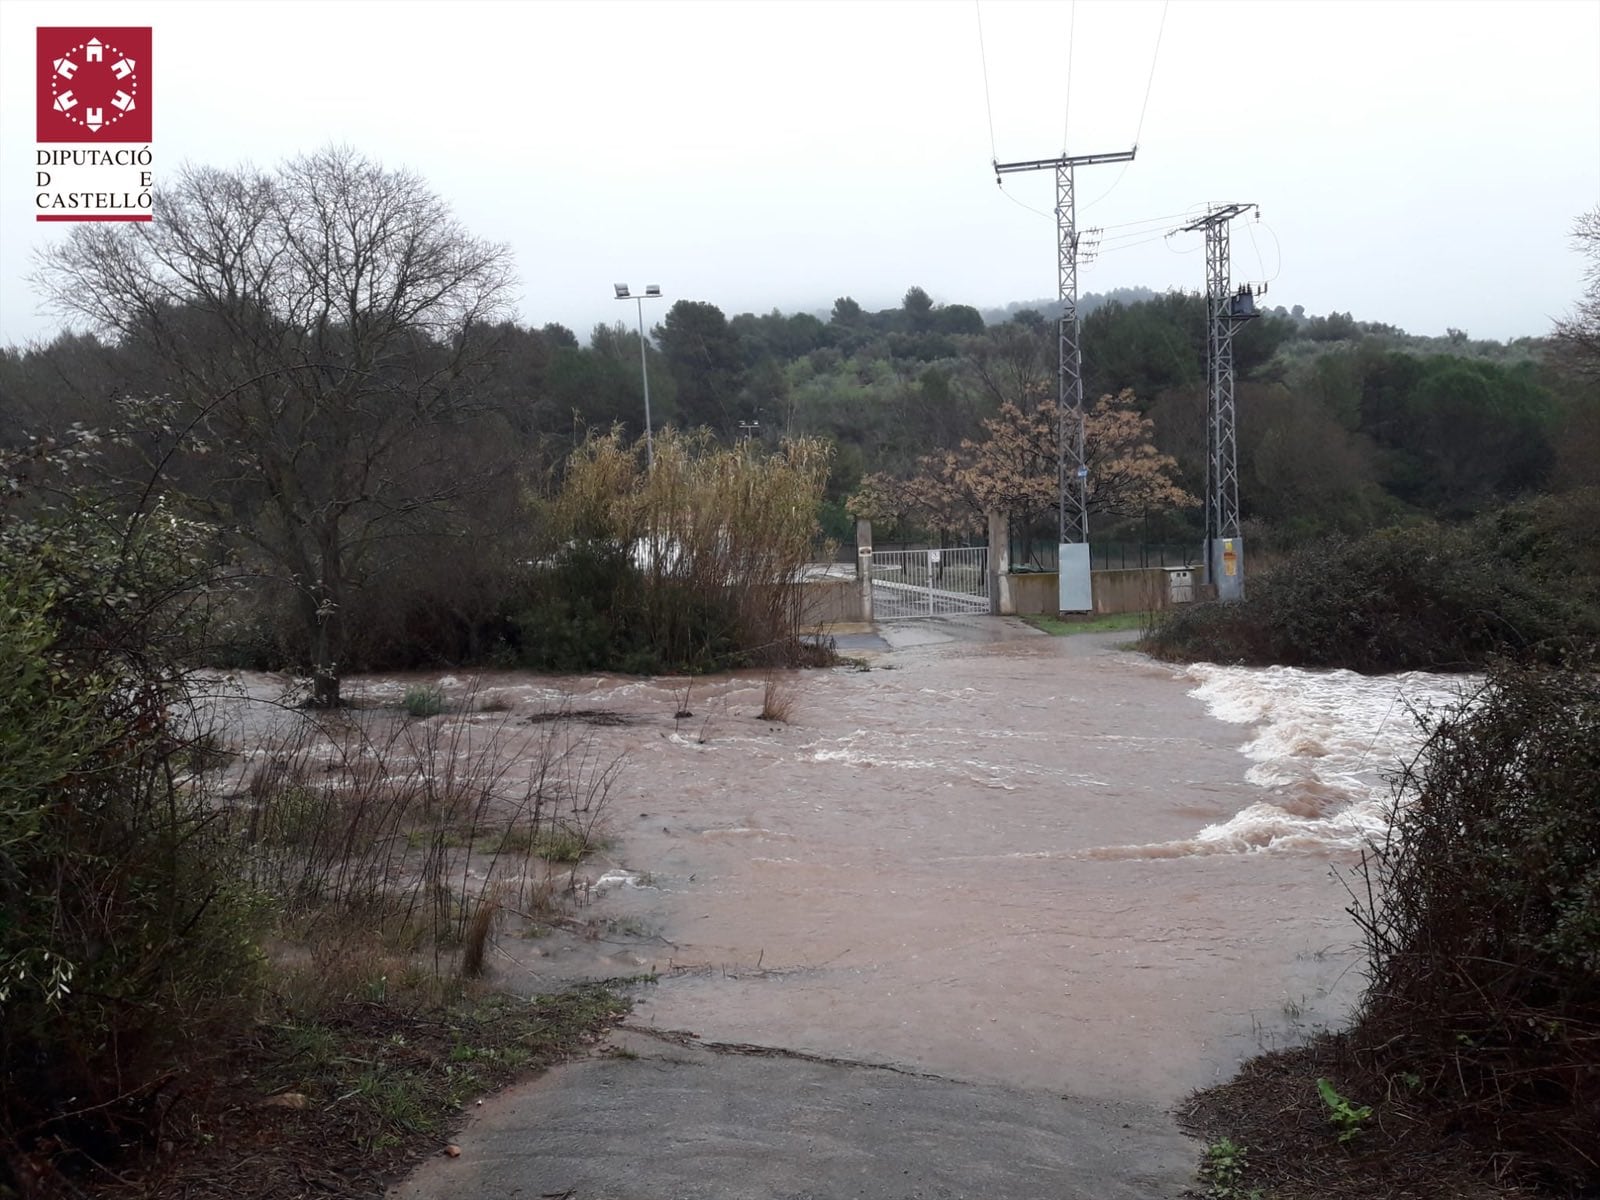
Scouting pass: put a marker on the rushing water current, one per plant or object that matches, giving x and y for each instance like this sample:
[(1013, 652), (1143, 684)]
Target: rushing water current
[(1038, 861)]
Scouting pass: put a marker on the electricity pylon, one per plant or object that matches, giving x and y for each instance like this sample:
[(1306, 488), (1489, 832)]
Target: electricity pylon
[(1076, 592), (1226, 310)]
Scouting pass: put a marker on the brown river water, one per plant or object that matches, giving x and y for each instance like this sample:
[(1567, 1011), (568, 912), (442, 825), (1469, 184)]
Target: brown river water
[(994, 855)]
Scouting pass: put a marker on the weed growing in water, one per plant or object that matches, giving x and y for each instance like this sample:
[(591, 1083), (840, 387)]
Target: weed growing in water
[(777, 698), (423, 701), (400, 834)]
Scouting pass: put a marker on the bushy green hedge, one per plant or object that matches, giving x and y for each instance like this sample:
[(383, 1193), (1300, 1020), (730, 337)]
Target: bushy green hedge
[(591, 609), (1482, 922), (125, 941), (1423, 597)]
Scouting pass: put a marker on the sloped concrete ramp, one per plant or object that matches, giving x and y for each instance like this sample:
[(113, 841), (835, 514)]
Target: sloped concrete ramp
[(666, 1119)]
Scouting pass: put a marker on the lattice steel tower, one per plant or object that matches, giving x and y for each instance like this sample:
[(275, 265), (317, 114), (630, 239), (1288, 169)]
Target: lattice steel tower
[(1226, 310), (1072, 469)]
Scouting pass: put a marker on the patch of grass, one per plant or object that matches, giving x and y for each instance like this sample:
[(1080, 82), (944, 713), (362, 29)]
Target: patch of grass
[(475, 941), (423, 701), (557, 843), (1111, 623), (295, 816), (384, 1084), (449, 838)]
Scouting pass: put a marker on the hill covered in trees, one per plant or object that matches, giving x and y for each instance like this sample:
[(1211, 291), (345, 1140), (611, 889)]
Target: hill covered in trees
[(390, 446), (1343, 424)]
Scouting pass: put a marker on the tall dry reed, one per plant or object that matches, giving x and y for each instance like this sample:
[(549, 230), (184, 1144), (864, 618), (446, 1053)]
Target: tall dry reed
[(720, 535)]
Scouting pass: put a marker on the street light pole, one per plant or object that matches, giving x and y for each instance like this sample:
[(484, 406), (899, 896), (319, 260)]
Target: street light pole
[(652, 291)]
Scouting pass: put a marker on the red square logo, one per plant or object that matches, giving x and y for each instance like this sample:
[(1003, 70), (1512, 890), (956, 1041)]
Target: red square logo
[(94, 84)]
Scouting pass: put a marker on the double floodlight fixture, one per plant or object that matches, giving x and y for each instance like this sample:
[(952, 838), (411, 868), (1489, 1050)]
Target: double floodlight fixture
[(652, 291)]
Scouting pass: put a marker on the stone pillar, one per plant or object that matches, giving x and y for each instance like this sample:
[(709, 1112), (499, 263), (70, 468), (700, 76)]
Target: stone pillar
[(1000, 603), (864, 567)]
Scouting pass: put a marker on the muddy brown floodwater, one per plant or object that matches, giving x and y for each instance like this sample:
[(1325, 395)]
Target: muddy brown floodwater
[(994, 856)]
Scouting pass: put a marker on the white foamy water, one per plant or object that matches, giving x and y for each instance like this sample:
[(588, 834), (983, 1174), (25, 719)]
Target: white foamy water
[(1326, 749), (1326, 745)]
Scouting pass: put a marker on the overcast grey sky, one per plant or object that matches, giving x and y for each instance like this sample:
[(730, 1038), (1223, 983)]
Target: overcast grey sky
[(1416, 163)]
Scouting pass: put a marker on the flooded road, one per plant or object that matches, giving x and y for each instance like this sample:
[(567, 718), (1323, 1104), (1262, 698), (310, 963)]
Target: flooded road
[(992, 855), (1045, 862)]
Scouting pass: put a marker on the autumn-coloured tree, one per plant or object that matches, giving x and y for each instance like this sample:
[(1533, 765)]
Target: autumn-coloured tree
[(1013, 470)]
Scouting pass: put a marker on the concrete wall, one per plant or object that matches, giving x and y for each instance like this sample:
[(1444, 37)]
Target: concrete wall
[(1133, 590), (1035, 592), (830, 602)]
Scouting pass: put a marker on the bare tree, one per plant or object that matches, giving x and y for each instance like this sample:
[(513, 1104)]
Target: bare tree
[(320, 327), (1578, 336)]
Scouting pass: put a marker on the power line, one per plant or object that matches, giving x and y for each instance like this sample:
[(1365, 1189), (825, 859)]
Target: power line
[(1260, 264), (1143, 241), (1149, 83), (1136, 229), (983, 56), (1072, 45), (1036, 211), (1161, 220), (1143, 108), (1277, 250)]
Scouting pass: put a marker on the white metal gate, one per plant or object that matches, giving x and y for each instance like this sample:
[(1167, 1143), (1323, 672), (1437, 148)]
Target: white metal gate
[(929, 583)]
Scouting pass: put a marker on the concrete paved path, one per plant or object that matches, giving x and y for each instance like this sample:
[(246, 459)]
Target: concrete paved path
[(679, 1121), (665, 1117)]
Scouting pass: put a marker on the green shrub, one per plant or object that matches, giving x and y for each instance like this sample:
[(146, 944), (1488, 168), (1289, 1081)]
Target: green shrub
[(1425, 597), (126, 941), (593, 609), (1481, 914)]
